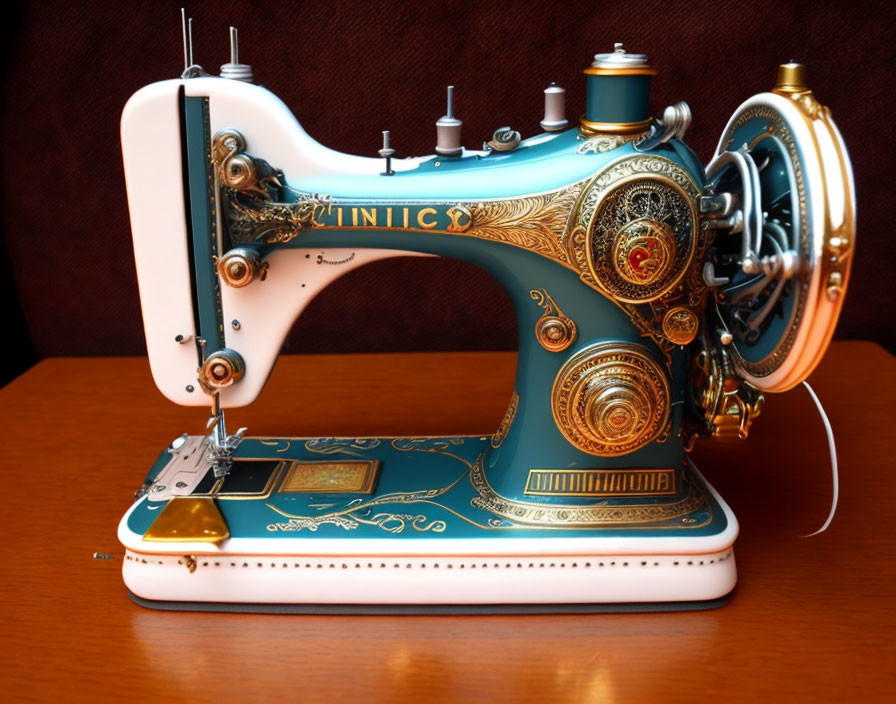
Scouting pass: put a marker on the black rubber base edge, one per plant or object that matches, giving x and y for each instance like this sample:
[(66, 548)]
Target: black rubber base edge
[(431, 609)]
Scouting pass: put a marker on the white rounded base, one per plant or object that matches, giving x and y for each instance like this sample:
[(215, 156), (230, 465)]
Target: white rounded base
[(495, 579)]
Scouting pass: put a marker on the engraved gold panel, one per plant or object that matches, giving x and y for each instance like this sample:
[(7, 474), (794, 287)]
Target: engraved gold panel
[(601, 482), (338, 477), (611, 398)]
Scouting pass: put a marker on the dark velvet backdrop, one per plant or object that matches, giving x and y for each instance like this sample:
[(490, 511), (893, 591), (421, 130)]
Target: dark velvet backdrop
[(351, 69)]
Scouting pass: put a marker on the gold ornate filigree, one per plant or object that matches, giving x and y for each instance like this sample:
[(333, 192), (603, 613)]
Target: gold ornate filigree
[(569, 516), (625, 483), (610, 399), (554, 330), (498, 438), (535, 223), (277, 223), (729, 404)]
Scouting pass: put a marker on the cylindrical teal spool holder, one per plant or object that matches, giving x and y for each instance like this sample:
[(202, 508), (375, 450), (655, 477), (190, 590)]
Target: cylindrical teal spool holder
[(618, 94)]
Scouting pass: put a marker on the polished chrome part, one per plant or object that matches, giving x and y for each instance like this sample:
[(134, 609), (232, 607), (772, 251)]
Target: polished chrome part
[(710, 278), (677, 119), (448, 130), (182, 339), (178, 443), (103, 556), (720, 205), (191, 70), (221, 446), (187, 28), (675, 122), (554, 109), (749, 221), (619, 59), (504, 139), (386, 153), (234, 69)]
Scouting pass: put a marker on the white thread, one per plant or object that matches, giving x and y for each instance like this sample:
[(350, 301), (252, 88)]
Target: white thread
[(833, 452)]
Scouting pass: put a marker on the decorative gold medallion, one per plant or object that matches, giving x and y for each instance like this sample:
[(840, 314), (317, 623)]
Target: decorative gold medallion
[(611, 398), (553, 330), (641, 239), (680, 325)]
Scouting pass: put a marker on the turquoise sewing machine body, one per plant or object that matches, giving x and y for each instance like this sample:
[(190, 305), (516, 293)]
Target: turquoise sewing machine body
[(656, 302)]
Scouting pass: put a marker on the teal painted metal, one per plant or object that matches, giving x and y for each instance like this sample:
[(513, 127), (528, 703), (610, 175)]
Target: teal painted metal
[(618, 99), (203, 221), (426, 491), (539, 164), (533, 439)]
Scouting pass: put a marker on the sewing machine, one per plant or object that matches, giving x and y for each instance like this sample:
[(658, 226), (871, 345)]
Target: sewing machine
[(657, 302)]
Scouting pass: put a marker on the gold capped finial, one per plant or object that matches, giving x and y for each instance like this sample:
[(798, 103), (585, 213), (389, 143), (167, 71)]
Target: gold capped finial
[(791, 78)]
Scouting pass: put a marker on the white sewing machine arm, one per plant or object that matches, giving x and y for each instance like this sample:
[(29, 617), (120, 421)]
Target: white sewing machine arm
[(152, 145)]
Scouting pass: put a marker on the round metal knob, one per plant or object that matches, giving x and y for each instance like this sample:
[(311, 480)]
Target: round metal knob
[(221, 369), (611, 398), (241, 266)]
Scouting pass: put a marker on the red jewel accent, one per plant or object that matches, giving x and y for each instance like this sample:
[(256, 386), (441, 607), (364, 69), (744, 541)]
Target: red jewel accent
[(641, 254)]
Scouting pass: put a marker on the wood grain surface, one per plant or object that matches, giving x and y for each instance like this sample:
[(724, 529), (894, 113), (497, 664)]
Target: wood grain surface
[(811, 618)]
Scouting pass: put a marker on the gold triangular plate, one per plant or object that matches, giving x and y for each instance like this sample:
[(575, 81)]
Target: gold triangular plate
[(194, 519)]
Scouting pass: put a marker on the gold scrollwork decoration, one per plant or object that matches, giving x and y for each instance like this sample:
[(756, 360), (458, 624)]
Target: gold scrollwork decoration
[(535, 223), (611, 398), (601, 143), (554, 330)]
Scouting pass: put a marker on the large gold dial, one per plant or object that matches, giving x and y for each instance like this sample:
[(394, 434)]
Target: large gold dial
[(611, 398)]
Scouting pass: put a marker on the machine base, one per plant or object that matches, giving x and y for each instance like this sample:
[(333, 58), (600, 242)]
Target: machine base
[(417, 528)]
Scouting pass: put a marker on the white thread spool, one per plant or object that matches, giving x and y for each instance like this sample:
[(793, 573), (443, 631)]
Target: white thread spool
[(554, 109)]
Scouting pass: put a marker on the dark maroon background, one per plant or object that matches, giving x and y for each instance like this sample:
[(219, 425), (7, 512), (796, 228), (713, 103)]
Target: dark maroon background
[(351, 69)]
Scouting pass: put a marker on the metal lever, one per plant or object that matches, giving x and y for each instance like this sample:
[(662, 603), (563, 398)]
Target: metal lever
[(750, 213)]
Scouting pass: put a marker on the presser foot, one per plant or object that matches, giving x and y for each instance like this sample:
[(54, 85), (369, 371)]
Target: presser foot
[(392, 522)]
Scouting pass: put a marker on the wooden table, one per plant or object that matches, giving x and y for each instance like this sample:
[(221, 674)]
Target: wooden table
[(810, 617)]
